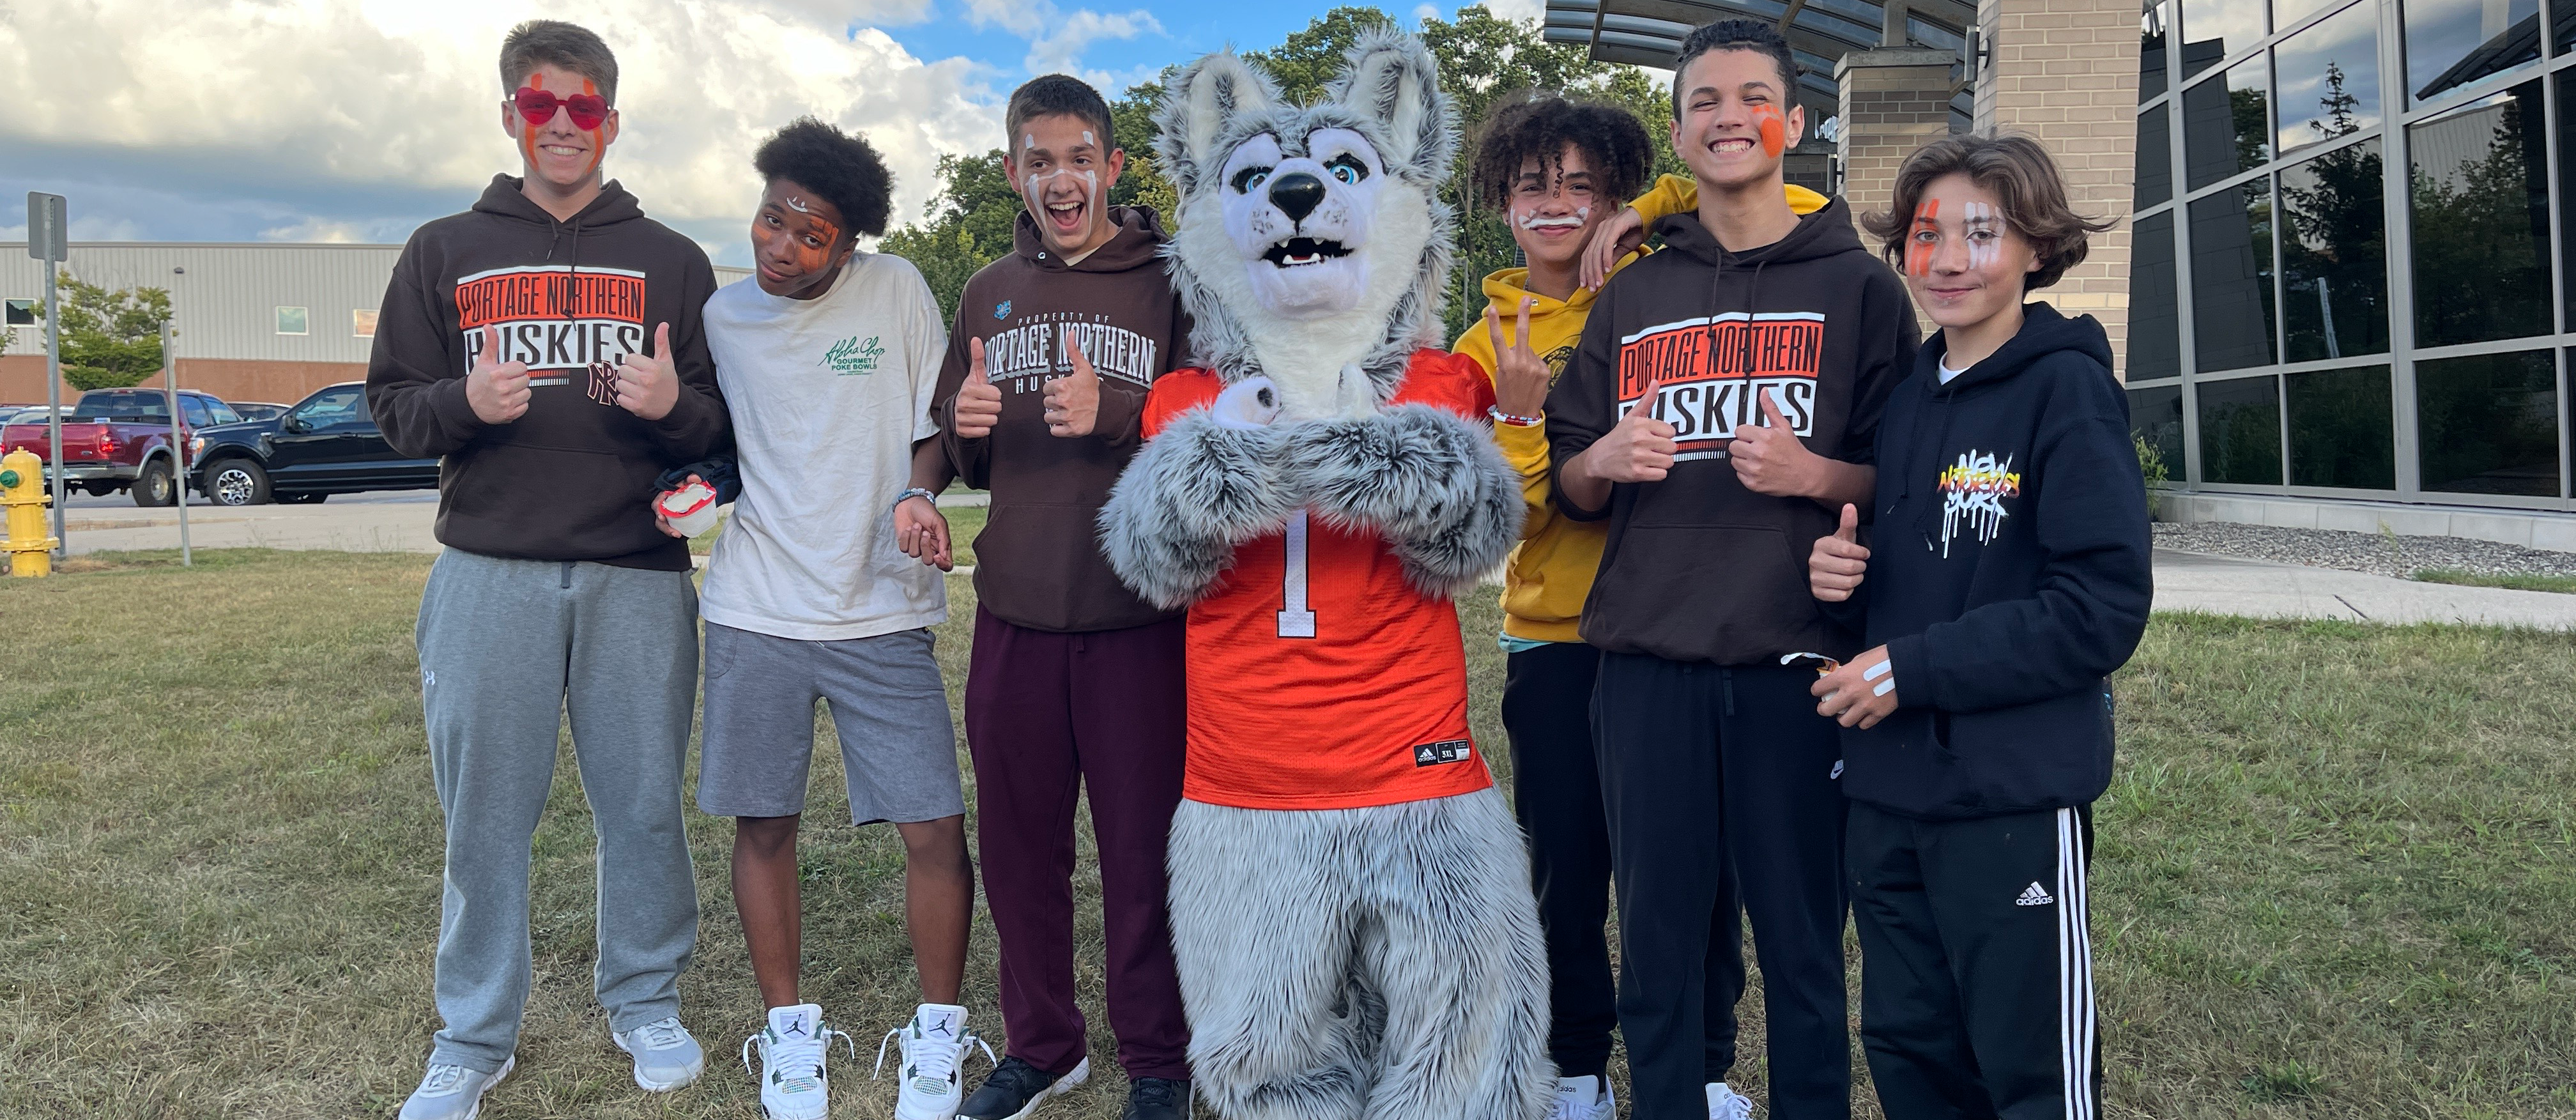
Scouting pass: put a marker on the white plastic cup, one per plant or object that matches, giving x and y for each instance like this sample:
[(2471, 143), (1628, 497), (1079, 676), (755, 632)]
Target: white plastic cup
[(691, 509)]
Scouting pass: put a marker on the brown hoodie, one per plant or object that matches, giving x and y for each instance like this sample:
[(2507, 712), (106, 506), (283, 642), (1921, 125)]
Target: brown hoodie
[(1037, 563)]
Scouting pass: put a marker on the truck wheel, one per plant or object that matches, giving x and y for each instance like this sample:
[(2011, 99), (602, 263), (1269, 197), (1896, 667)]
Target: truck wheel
[(156, 486), (237, 482)]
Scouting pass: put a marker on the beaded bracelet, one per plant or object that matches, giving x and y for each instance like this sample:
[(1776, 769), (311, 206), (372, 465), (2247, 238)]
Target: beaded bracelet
[(1502, 417)]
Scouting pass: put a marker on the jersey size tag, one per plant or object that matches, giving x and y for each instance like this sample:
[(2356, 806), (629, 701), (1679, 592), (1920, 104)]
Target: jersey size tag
[(1435, 754)]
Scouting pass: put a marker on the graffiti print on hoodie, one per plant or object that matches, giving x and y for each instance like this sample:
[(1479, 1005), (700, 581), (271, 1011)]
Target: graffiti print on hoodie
[(1973, 493)]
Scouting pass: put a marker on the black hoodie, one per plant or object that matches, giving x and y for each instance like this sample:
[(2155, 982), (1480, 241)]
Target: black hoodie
[(2007, 577), (569, 479), (1698, 568)]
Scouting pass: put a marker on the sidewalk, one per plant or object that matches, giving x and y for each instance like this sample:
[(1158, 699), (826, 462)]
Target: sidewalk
[(2192, 581)]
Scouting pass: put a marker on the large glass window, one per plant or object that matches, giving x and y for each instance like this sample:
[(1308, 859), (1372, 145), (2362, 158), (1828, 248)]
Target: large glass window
[(2155, 416), (2563, 15), (2227, 123), (2329, 79), (2488, 424), (2287, 13), (2153, 17), (2334, 262), (2155, 158), (2342, 431), (2566, 82), (2214, 29), (2231, 278), (2155, 339), (2451, 43), (2481, 220), (2240, 431)]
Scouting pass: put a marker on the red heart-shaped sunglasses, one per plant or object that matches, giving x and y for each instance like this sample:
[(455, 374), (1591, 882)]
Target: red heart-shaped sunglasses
[(537, 106)]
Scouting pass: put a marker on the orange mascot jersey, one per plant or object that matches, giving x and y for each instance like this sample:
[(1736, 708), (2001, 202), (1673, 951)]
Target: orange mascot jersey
[(1319, 678)]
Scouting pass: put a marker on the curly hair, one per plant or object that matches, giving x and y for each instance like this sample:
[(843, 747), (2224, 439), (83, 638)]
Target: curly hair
[(840, 167), (1753, 35), (2023, 179), (1532, 125)]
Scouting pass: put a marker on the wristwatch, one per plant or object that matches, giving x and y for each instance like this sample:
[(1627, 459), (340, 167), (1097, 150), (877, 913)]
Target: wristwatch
[(915, 492)]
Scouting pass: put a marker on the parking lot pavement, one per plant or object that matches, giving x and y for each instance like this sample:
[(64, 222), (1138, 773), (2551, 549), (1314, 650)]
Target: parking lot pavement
[(2193, 581), (392, 521)]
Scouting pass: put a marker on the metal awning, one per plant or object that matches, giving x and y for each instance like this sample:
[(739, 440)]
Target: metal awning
[(1820, 32)]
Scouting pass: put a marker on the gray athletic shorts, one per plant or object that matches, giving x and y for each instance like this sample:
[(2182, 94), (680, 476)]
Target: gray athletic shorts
[(897, 744)]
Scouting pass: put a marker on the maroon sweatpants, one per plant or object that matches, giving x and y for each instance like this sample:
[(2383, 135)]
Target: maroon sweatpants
[(1046, 715)]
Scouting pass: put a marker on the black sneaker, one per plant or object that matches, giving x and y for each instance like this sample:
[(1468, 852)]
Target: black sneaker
[(1017, 1088), (1157, 1098)]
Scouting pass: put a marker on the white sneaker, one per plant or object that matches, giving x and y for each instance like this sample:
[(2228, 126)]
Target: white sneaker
[(666, 1057), (1727, 1104), (1583, 1098), (793, 1048), (934, 1045), (453, 1092)]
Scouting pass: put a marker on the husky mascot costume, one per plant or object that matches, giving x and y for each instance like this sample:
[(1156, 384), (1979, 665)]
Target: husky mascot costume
[(1350, 901)]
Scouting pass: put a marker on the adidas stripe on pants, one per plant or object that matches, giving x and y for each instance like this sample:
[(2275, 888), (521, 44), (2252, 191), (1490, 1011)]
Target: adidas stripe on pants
[(1976, 964)]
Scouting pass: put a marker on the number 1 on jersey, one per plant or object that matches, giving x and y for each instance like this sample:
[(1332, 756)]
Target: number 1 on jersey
[(1296, 621)]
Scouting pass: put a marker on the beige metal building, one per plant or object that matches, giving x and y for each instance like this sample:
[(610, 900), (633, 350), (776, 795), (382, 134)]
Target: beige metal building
[(258, 321)]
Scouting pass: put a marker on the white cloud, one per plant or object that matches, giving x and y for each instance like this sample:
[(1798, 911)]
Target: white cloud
[(318, 229), (361, 98), (1058, 39)]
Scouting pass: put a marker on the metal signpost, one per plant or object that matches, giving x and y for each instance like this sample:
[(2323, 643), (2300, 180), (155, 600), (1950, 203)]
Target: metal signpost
[(178, 444), (48, 240)]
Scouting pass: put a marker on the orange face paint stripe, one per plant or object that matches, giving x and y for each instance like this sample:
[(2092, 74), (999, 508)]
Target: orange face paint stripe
[(1774, 129), (1918, 253)]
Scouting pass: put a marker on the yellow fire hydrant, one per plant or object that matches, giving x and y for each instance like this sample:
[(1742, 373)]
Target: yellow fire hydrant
[(22, 492)]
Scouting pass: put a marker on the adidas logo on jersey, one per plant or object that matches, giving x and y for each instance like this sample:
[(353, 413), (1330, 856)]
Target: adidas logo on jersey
[(2033, 895), (1435, 754)]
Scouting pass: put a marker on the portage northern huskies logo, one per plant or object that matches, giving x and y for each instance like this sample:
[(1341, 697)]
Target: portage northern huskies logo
[(1711, 372), (556, 320), (1973, 493)]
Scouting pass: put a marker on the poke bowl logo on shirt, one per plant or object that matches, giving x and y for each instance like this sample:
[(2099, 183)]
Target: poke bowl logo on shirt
[(560, 322), (1973, 492), (851, 356), (1711, 374)]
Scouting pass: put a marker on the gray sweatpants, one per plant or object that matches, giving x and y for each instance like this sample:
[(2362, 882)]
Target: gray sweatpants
[(506, 647)]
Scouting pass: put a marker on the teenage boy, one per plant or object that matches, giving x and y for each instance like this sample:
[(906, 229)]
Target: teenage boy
[(546, 346), (1557, 168), (1980, 720), (1075, 685), (828, 356), (1720, 405)]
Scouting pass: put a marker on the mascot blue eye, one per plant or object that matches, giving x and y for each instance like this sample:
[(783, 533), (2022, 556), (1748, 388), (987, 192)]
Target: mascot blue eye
[(1347, 168), (1249, 178)]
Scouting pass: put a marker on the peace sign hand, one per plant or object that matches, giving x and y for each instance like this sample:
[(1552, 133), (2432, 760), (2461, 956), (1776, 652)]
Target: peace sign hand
[(1520, 377)]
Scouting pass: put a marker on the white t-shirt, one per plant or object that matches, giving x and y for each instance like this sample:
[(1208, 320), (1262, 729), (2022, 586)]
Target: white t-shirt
[(828, 396), (1948, 374)]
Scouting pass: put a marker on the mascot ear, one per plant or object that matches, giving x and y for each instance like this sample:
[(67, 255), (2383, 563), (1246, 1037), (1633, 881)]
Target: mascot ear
[(1393, 80), (1212, 94)]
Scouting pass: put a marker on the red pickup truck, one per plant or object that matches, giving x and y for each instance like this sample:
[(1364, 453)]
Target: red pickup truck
[(119, 439)]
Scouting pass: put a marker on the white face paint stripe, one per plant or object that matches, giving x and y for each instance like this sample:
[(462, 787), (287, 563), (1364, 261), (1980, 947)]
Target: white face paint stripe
[(798, 205), (1086, 138), (1980, 215)]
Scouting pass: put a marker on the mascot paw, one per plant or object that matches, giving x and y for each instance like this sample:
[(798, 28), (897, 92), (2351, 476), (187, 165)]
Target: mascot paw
[(1433, 485), (1246, 405), (1195, 492)]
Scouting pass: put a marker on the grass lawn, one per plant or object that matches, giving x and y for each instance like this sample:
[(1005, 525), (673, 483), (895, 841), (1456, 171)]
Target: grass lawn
[(2335, 875), (2561, 584)]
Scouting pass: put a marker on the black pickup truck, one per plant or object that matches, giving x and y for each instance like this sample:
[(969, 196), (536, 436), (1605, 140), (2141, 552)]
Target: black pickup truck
[(327, 444)]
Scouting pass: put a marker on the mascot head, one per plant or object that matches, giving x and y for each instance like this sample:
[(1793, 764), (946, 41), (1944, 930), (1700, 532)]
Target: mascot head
[(1311, 237)]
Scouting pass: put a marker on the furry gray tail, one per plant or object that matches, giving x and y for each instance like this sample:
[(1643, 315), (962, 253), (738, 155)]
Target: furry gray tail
[(1433, 485), (1346, 963), (1195, 492)]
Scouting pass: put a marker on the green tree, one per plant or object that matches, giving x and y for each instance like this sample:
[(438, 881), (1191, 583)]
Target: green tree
[(111, 338), (1311, 58)]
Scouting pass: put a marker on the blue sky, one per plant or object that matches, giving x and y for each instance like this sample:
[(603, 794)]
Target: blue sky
[(357, 120)]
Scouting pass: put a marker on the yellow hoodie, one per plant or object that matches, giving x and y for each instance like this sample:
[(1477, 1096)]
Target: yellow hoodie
[(1550, 574)]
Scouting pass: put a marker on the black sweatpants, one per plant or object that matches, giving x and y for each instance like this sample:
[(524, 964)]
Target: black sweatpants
[(1556, 792), (1704, 767), (1977, 965)]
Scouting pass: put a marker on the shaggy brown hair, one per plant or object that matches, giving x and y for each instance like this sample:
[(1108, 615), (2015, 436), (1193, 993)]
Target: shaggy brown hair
[(2022, 178), (552, 42), (1532, 125)]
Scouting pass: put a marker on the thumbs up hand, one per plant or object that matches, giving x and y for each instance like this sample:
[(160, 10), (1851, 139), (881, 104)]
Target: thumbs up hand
[(1770, 459), (979, 404), (648, 384), (1838, 562), (1073, 400), (497, 391), (1639, 448)]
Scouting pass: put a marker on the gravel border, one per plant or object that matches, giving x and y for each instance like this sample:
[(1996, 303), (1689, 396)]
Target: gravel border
[(2378, 554)]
